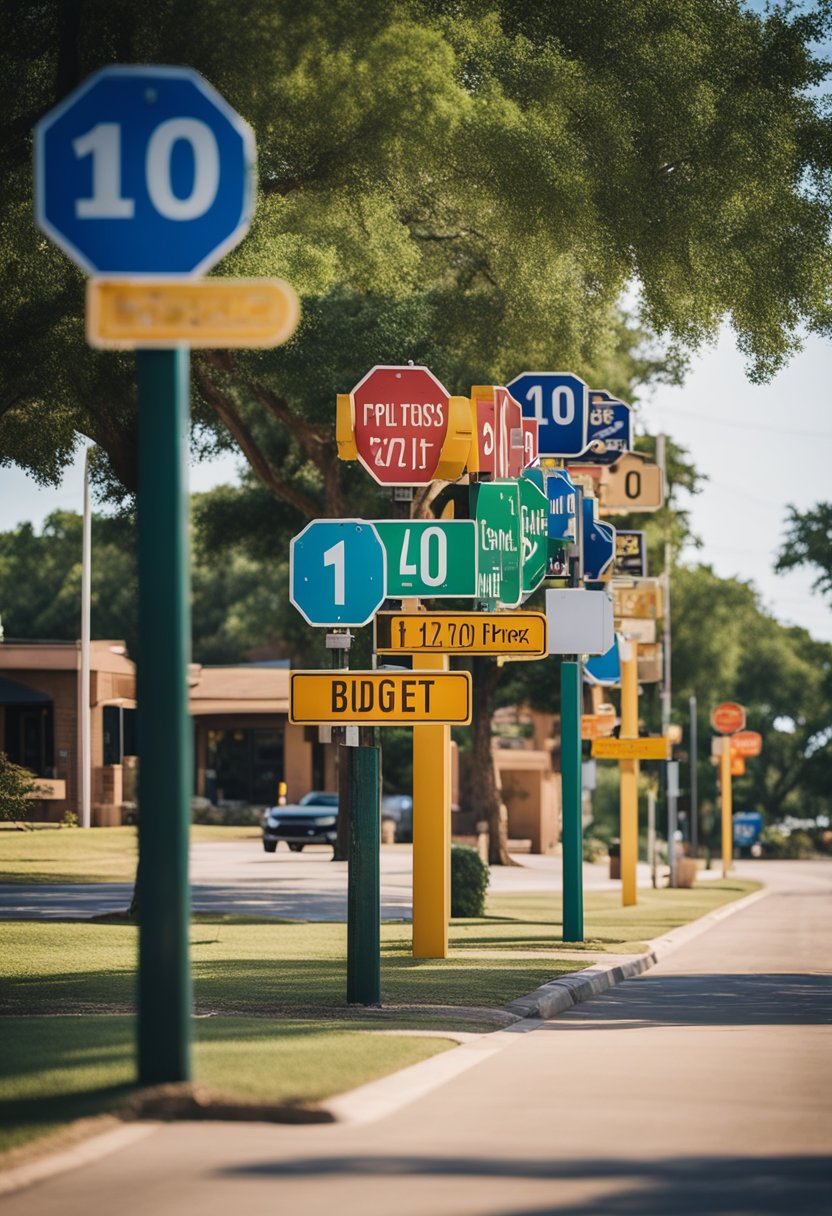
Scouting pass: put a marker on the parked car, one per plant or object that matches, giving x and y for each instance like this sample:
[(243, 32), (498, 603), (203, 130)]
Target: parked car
[(313, 820), (396, 818)]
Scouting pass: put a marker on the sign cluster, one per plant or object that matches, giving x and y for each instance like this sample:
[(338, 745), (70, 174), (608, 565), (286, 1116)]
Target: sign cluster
[(541, 457)]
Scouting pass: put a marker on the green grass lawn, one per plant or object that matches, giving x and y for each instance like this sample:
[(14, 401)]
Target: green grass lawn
[(298, 967), (51, 854), (250, 966), (53, 1070), (299, 1041)]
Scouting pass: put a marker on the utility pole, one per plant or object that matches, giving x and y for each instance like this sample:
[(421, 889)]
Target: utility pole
[(667, 685), (694, 795), (84, 747)]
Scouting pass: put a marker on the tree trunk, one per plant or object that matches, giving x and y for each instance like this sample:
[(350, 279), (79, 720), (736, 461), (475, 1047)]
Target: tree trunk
[(484, 796)]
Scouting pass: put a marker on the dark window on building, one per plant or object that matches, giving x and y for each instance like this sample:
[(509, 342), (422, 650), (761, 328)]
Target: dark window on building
[(248, 763), (119, 733), (29, 738)]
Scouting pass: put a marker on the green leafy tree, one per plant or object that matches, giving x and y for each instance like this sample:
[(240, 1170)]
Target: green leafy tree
[(470, 185), (240, 601), (809, 543), (726, 647), (17, 786)]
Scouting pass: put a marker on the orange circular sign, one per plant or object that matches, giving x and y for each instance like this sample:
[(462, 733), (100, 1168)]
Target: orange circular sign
[(746, 743), (728, 717)]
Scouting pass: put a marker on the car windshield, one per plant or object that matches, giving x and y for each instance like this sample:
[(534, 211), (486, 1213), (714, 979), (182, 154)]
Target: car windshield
[(316, 798)]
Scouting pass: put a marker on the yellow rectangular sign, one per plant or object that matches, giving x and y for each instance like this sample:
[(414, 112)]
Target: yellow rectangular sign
[(129, 314), (638, 599), (520, 634), (648, 748), (386, 698)]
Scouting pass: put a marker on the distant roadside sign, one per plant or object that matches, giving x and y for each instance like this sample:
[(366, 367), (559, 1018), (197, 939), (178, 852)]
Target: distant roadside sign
[(597, 726), (127, 314), (609, 427), (430, 558), (728, 718), (563, 502), (534, 516), (580, 621), (519, 634), (558, 402), (495, 506), (388, 698), (144, 170), (632, 484), (638, 598), (337, 572), (499, 444), (748, 827), (650, 662), (630, 554), (647, 748), (400, 420), (746, 743), (598, 543)]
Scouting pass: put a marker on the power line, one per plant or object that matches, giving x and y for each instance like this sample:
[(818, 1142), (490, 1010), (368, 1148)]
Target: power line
[(743, 426)]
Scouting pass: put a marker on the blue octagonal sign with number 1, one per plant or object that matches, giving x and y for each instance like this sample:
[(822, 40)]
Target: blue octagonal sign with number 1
[(337, 572), (144, 171)]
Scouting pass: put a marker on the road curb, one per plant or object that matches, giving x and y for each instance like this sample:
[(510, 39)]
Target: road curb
[(559, 995)]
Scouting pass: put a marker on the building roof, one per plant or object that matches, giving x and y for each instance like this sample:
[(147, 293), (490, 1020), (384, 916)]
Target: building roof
[(240, 689), (64, 656)]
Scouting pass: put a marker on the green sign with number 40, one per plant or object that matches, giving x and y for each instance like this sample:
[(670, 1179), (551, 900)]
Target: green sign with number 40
[(435, 559)]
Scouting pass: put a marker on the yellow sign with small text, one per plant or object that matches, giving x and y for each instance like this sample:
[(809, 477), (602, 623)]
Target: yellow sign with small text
[(214, 313), (520, 634), (647, 748), (386, 698)]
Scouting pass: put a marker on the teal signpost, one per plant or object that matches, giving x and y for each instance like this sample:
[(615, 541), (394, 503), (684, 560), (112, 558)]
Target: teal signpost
[(147, 171)]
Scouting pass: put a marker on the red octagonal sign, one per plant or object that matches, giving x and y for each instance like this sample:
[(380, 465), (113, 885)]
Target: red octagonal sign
[(401, 422)]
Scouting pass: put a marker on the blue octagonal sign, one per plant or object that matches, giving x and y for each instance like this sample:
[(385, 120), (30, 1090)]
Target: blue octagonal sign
[(337, 572), (144, 171), (558, 402)]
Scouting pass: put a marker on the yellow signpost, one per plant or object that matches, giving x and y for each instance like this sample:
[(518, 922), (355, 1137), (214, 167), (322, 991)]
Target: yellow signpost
[(431, 827), (381, 698), (628, 772), (519, 634), (726, 800), (130, 314), (646, 748)]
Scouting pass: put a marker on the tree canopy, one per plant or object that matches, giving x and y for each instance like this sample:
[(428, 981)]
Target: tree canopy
[(470, 185), (809, 543)]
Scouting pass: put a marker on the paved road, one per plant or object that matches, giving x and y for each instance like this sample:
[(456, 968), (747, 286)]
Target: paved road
[(238, 877), (701, 1087)]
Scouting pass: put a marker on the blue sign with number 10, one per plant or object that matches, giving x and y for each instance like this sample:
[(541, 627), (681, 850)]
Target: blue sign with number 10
[(144, 171), (558, 401)]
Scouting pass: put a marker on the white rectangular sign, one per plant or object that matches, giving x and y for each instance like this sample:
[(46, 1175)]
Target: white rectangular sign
[(580, 622)]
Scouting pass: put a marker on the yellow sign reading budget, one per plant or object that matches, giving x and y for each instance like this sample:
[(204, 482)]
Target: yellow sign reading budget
[(521, 634), (386, 698), (127, 314)]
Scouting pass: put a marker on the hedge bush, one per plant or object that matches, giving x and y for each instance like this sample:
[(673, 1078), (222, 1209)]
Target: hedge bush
[(469, 881)]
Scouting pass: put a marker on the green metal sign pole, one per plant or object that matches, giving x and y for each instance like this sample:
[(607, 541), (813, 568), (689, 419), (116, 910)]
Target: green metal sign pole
[(164, 734), (363, 889), (570, 711)]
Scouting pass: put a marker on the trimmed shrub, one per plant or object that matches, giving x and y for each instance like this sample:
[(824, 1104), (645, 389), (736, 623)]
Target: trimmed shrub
[(469, 881)]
